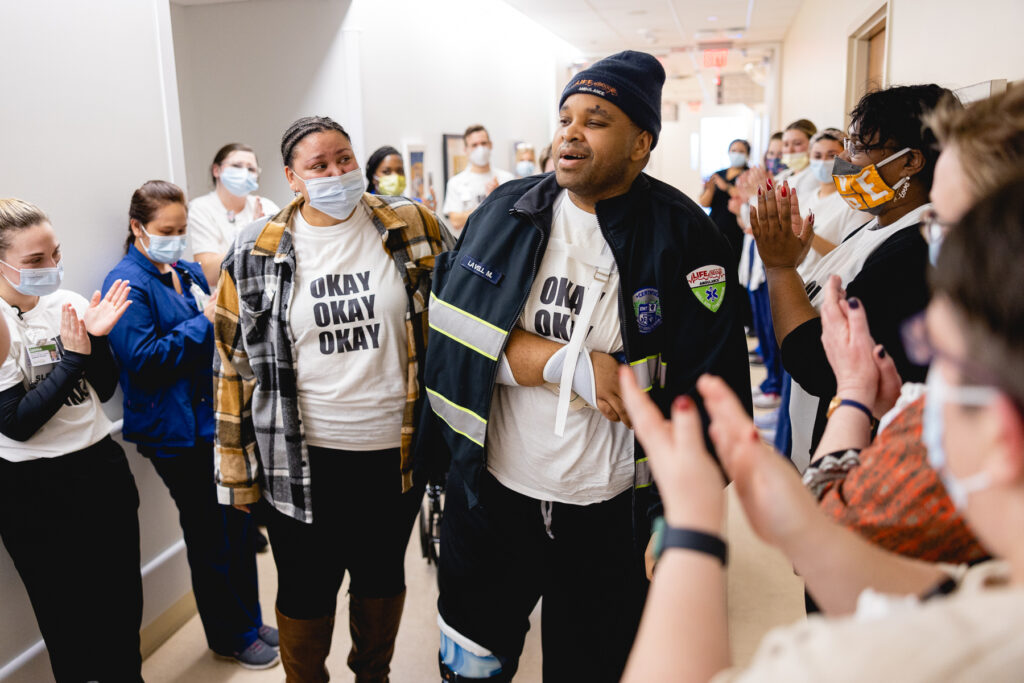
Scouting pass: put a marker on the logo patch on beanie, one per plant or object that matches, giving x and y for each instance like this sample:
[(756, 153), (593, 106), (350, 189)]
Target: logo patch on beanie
[(708, 284), (592, 87)]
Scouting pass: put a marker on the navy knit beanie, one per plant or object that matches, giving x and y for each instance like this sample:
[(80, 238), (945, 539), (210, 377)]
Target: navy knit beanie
[(630, 80)]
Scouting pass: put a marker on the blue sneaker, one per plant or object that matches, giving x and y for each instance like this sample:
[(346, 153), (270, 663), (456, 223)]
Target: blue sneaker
[(268, 634), (259, 655)]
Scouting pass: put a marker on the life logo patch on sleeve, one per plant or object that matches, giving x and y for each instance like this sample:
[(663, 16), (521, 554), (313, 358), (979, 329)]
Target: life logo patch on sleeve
[(708, 284), (647, 308)]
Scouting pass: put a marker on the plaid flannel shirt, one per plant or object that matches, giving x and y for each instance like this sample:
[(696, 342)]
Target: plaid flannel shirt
[(259, 442)]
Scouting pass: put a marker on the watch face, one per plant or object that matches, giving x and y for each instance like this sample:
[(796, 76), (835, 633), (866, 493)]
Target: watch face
[(659, 536), (832, 405)]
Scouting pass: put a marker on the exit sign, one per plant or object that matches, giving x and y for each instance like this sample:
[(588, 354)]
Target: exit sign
[(715, 58)]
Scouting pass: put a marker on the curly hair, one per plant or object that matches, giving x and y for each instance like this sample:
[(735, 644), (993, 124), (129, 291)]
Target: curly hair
[(897, 115)]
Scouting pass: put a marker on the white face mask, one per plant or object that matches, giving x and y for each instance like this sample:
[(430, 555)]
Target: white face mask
[(337, 195), (480, 156), (933, 434), (737, 159)]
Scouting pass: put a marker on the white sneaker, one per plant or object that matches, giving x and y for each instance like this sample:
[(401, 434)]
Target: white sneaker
[(767, 401)]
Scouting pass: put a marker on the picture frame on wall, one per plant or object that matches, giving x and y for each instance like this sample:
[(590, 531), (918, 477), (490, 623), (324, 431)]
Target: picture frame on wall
[(414, 155), (454, 150)]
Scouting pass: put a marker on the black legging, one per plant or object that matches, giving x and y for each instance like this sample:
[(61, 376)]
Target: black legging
[(361, 524)]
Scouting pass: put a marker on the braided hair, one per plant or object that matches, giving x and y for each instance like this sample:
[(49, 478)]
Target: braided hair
[(307, 125)]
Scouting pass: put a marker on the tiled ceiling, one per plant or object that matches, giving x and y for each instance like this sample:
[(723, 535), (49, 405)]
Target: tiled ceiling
[(676, 31), (598, 27)]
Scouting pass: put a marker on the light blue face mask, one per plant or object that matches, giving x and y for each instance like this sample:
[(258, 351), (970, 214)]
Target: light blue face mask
[(737, 159), (337, 195), (166, 248), (238, 181), (822, 169), (933, 432), (37, 281), (525, 168)]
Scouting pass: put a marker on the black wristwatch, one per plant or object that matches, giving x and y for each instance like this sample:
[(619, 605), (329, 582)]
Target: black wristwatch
[(666, 537)]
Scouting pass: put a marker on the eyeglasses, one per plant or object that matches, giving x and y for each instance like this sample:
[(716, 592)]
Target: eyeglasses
[(920, 350), (932, 229), (855, 147)]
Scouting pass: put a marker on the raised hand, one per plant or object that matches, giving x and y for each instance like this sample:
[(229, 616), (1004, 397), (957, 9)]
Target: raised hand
[(783, 239), (689, 482), (776, 503), (73, 333), (103, 314), (257, 210)]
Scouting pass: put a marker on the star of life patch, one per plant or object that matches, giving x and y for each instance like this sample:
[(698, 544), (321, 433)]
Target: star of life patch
[(708, 284)]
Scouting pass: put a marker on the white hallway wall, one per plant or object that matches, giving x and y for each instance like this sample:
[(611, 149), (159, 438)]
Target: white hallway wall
[(404, 71), (89, 114), (948, 42)]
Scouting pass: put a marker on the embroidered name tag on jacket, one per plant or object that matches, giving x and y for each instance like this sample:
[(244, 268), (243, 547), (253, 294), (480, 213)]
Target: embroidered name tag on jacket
[(486, 272), (708, 284)]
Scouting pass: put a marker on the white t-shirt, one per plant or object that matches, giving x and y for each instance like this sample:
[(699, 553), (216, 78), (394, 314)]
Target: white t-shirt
[(212, 228), (347, 321), (593, 460), (846, 261), (80, 422), (834, 219), (466, 190)]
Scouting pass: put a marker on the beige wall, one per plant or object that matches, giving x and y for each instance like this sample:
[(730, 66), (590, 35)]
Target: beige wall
[(948, 42)]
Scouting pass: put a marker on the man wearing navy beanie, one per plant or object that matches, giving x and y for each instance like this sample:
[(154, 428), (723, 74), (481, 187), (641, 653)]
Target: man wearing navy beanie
[(557, 281)]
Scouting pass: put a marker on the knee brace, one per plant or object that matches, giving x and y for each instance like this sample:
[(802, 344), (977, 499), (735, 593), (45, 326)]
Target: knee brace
[(460, 659)]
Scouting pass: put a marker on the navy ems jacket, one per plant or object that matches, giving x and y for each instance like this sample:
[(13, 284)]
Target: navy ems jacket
[(164, 347), (672, 332)]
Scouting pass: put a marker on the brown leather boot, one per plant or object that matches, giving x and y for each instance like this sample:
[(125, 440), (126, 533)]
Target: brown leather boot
[(305, 644), (373, 623)]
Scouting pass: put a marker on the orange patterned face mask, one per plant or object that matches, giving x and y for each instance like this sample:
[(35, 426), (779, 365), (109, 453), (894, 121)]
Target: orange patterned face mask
[(862, 186)]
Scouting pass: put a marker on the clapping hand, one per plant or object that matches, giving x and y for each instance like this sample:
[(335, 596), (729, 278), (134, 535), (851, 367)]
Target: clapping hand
[(73, 333), (690, 483), (103, 314), (864, 371), (783, 240), (775, 501)]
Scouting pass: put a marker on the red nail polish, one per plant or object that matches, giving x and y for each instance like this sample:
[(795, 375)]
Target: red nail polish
[(783, 190), (682, 403), (769, 183), (759, 192)]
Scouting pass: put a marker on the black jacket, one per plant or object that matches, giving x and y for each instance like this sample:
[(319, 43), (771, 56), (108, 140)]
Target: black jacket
[(658, 237)]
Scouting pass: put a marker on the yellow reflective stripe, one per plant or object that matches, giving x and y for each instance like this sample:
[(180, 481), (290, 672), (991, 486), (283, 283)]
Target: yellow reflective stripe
[(642, 371), (642, 475), (472, 332), (461, 420)]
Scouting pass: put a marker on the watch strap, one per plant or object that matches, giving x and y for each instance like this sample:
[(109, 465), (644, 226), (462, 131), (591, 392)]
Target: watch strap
[(853, 404), (690, 539)]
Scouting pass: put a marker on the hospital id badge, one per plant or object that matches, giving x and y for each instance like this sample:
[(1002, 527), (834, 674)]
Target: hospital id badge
[(44, 353)]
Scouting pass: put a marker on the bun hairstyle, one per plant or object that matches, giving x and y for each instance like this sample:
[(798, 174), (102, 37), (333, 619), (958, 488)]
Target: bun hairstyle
[(147, 200)]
